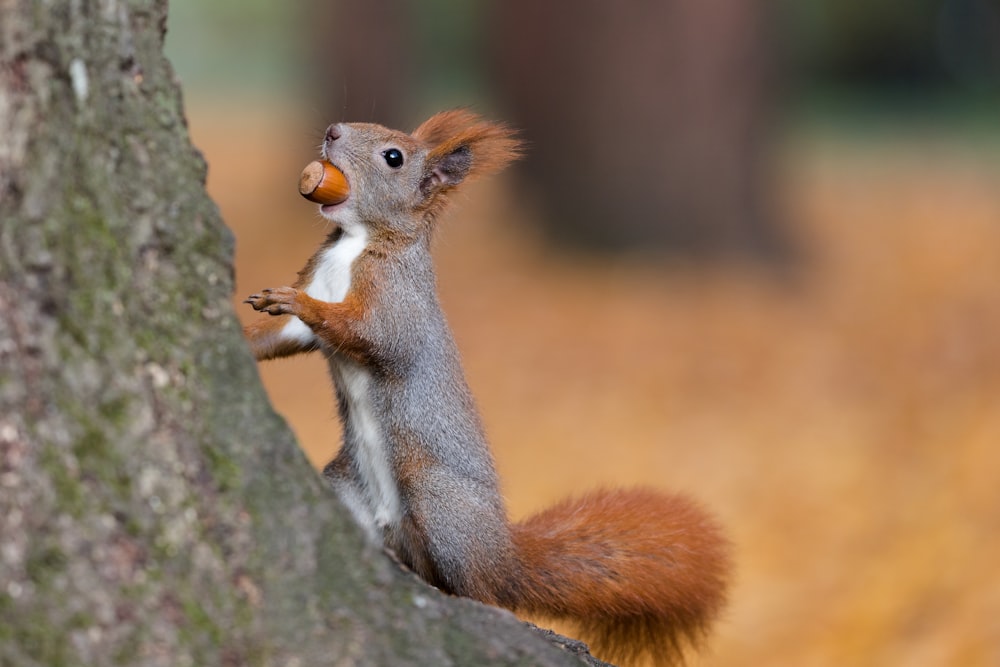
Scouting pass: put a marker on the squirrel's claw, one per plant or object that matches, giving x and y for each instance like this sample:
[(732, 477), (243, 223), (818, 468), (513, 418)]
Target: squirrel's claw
[(274, 301)]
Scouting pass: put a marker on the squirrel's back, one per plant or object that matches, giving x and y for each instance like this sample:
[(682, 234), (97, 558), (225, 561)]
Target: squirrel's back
[(641, 573)]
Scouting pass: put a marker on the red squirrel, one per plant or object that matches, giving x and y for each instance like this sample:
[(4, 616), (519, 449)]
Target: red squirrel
[(642, 574)]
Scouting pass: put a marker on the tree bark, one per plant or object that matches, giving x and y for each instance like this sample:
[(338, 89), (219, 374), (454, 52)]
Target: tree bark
[(153, 508)]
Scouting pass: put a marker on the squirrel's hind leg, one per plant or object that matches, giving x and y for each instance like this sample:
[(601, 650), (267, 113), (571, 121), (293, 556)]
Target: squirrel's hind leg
[(340, 474)]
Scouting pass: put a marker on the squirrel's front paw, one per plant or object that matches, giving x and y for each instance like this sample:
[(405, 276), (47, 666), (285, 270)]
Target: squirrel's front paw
[(275, 300)]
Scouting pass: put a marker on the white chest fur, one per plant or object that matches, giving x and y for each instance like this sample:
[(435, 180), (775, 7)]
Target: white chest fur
[(379, 496), (376, 504), (331, 278)]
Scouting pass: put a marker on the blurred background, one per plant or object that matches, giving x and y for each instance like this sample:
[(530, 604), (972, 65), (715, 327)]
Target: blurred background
[(753, 255)]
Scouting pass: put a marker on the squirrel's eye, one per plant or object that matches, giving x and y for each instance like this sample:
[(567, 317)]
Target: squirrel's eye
[(393, 158)]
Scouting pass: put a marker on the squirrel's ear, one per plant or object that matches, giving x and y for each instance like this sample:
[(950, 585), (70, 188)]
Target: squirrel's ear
[(448, 169), (463, 145)]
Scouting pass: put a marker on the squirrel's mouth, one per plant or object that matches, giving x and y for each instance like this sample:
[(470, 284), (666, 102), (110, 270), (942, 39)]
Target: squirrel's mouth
[(327, 209), (325, 184)]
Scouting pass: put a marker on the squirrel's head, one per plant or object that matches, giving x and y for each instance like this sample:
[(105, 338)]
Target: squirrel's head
[(399, 182)]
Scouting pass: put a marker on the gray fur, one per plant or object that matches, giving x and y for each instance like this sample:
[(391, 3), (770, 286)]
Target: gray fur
[(451, 523)]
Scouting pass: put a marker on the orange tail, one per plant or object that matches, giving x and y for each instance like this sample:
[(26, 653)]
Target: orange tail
[(641, 574)]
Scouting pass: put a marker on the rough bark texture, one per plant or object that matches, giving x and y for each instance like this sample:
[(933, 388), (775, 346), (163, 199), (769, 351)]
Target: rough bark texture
[(153, 508)]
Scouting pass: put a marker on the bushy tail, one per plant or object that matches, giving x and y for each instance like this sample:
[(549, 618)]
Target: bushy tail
[(640, 573)]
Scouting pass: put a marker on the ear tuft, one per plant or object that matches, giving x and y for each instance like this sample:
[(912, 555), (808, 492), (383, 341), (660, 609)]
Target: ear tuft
[(462, 145)]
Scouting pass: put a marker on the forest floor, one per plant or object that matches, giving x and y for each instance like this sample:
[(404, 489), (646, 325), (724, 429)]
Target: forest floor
[(842, 418)]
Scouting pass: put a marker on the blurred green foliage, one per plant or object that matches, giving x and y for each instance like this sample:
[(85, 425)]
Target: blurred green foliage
[(886, 54), (248, 46), (450, 36), (895, 44)]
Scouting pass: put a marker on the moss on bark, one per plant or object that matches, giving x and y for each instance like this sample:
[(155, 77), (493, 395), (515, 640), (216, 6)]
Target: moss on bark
[(154, 510)]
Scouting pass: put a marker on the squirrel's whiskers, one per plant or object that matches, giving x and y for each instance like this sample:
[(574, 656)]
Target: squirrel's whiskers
[(641, 572)]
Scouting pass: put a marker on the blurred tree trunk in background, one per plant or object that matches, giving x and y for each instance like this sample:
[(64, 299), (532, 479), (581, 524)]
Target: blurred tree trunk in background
[(365, 64), (395, 62), (153, 508), (648, 122)]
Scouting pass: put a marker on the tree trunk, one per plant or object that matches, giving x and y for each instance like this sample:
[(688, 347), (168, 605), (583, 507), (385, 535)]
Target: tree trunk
[(357, 68), (648, 122), (153, 509)]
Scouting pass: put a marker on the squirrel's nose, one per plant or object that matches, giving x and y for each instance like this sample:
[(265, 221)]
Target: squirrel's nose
[(334, 132)]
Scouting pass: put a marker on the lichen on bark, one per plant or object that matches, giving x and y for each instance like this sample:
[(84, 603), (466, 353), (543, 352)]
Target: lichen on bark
[(153, 508)]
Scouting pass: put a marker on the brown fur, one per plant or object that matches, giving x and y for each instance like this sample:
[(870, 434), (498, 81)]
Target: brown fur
[(643, 574), (492, 146)]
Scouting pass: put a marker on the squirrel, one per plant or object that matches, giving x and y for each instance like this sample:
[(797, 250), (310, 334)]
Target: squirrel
[(641, 574)]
